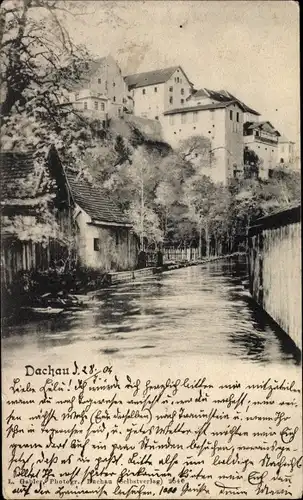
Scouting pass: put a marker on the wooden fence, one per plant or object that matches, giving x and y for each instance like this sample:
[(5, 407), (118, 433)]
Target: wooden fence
[(17, 256), (180, 254), (275, 268)]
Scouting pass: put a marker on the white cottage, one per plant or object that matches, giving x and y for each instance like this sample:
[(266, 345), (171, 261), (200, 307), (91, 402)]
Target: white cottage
[(105, 239)]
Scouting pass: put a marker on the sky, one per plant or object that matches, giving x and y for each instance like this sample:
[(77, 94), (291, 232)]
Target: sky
[(250, 48)]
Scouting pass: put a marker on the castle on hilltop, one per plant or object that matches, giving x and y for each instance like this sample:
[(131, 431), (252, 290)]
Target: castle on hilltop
[(170, 98)]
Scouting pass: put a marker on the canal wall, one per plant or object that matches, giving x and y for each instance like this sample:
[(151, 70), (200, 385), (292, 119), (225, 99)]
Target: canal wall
[(274, 262)]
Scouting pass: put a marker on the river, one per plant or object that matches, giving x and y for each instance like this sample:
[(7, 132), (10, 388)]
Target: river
[(200, 312)]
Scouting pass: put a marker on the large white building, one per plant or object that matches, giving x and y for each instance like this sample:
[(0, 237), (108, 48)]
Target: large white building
[(155, 92), (221, 123), (286, 152), (263, 139), (101, 90)]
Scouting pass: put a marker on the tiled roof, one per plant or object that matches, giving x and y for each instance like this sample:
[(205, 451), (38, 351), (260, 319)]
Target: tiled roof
[(247, 109), (259, 125), (150, 77), (283, 139), (15, 167), (95, 202), (88, 69), (198, 93), (224, 96), (200, 107), (220, 96)]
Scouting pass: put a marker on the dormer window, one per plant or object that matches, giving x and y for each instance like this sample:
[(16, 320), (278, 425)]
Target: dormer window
[(171, 89), (143, 91)]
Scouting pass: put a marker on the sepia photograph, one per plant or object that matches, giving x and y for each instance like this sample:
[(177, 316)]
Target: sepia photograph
[(150, 249)]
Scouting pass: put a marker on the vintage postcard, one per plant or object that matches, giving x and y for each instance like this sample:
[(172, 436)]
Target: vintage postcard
[(150, 250)]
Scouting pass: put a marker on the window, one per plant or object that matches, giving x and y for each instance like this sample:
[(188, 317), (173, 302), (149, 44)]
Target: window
[(114, 84), (182, 91), (143, 91), (182, 101), (96, 104), (171, 100), (106, 85), (281, 160), (156, 89), (238, 117), (99, 80), (257, 133), (156, 117), (117, 237), (195, 116), (230, 115), (114, 98), (96, 245), (85, 105), (171, 89), (183, 118), (102, 106), (171, 119)]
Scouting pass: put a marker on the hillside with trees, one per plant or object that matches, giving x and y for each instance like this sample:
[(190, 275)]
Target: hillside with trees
[(168, 195)]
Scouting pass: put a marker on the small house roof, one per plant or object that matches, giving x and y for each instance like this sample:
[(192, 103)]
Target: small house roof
[(95, 202), (15, 167), (200, 107), (223, 96), (88, 69), (151, 77), (260, 126)]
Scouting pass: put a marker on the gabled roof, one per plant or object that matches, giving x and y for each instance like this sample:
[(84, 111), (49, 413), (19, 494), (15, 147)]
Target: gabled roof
[(247, 109), (21, 180), (151, 77), (260, 126), (15, 168), (283, 140), (200, 107), (97, 204), (223, 96), (88, 69)]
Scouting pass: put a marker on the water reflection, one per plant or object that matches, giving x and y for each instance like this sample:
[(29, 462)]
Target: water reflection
[(201, 310)]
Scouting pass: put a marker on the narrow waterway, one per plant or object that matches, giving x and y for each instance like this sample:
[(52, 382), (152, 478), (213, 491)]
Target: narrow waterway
[(197, 311)]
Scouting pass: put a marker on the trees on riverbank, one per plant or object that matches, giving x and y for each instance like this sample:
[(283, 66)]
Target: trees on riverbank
[(172, 200), (168, 195)]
